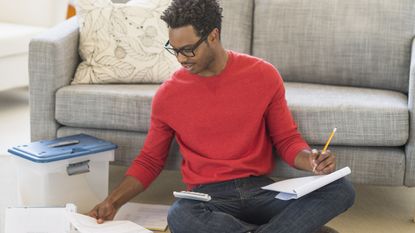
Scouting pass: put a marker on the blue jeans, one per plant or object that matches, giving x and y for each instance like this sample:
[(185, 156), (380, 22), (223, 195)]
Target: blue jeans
[(242, 206)]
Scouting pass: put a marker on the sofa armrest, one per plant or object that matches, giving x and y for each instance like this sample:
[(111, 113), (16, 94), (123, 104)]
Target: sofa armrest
[(410, 145), (53, 58)]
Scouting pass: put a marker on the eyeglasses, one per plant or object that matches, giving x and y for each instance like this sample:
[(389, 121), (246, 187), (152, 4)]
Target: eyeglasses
[(187, 51)]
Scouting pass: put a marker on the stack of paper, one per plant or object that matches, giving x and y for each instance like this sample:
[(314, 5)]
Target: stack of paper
[(298, 187), (38, 219)]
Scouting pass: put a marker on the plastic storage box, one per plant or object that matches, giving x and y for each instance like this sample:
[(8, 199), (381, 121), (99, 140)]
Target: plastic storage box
[(71, 169)]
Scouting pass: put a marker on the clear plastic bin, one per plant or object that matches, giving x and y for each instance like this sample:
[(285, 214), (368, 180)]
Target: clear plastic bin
[(51, 173)]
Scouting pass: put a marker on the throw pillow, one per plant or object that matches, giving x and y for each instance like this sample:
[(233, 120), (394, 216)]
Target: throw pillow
[(122, 43)]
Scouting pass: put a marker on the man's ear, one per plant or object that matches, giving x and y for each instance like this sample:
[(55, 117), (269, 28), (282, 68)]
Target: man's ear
[(214, 35)]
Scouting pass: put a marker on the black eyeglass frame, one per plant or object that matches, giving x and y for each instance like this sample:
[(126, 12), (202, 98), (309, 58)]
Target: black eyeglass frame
[(191, 48)]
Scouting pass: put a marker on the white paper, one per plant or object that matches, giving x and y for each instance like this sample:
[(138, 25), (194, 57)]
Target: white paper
[(36, 219), (86, 224), (298, 187), (153, 217)]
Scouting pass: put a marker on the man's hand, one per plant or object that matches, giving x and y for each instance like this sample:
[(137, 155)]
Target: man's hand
[(322, 163), (103, 211), (107, 209)]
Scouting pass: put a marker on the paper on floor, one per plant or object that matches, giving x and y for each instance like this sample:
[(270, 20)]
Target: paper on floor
[(153, 217), (38, 219), (86, 224)]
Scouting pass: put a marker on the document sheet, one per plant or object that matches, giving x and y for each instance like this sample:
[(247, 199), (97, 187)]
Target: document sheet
[(38, 219), (86, 224), (153, 217), (298, 187)]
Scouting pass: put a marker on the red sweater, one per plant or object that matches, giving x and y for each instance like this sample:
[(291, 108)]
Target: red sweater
[(225, 125)]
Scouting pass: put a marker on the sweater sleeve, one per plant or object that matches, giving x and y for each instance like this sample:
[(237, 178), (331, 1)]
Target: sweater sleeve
[(280, 123), (151, 159)]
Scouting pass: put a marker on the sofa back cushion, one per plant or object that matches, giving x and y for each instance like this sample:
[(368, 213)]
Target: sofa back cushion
[(237, 24), (355, 42)]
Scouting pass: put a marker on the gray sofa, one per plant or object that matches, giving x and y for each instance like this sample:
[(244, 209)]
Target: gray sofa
[(346, 64)]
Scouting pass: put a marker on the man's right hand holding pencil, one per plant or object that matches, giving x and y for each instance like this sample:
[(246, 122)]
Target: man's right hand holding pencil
[(323, 162)]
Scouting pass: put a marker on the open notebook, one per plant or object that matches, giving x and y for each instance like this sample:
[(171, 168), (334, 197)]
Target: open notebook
[(298, 187)]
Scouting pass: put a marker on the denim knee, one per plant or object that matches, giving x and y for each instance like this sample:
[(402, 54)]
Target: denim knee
[(346, 191), (179, 217), (173, 217)]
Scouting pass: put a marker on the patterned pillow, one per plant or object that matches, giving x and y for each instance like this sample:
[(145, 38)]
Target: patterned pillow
[(122, 43)]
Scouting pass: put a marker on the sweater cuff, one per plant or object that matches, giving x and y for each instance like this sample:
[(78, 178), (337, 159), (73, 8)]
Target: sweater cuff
[(293, 152)]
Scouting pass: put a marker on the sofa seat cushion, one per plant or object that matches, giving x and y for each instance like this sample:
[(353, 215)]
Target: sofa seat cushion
[(369, 165), (390, 162), (122, 107), (129, 144), (363, 117), (15, 38)]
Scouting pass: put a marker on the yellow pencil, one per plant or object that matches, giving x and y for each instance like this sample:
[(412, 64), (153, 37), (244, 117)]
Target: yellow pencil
[(327, 145), (329, 140)]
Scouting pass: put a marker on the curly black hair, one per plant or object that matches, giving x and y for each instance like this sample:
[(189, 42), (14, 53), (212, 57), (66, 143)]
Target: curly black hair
[(203, 15)]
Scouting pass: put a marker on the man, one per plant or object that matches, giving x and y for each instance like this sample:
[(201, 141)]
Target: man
[(227, 110)]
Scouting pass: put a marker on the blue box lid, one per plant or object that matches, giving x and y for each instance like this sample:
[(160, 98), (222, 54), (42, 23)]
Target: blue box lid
[(62, 148)]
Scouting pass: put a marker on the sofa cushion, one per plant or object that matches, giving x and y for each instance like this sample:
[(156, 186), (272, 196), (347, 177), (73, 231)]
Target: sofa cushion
[(14, 38), (363, 117), (124, 107), (389, 170), (354, 42), (237, 24), (122, 43), (129, 144), (369, 165)]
